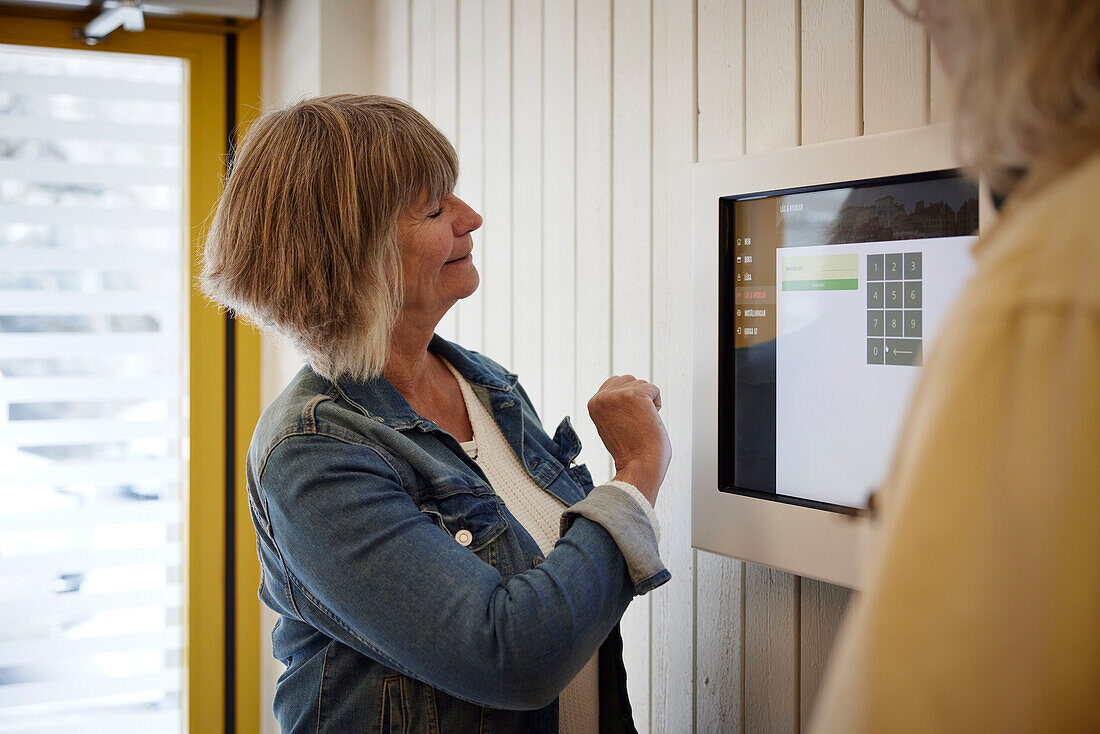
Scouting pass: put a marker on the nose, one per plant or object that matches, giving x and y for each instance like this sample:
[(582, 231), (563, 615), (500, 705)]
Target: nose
[(466, 219)]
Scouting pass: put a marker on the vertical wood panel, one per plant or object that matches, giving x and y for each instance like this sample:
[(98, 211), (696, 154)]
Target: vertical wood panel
[(397, 39), (593, 211), (497, 280), (353, 46), (444, 77), (895, 69), (559, 185), (673, 154), (720, 76), (526, 243), (718, 595), (631, 290), (720, 644), (772, 86), (941, 91), (832, 80), (772, 120), (771, 650), (444, 69), (422, 57), (471, 156), (823, 608), (631, 168)]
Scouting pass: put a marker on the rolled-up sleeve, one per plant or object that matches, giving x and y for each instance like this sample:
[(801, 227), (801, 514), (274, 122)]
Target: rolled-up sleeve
[(633, 529)]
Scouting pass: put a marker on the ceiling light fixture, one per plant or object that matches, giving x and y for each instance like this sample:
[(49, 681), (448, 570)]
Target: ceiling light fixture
[(125, 14)]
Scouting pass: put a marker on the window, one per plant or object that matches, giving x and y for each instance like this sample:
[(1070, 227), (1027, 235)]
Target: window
[(93, 388), (127, 564)]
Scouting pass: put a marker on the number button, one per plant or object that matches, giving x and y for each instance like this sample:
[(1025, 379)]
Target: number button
[(913, 265), (894, 293), (875, 267), (875, 295), (876, 349), (912, 323), (894, 323), (876, 323), (894, 266), (913, 294)]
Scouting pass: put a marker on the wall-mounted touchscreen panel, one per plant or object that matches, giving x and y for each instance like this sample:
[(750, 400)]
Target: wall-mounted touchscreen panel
[(829, 298)]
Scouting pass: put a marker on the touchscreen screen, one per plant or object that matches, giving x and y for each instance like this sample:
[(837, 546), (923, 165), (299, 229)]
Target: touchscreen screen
[(829, 299)]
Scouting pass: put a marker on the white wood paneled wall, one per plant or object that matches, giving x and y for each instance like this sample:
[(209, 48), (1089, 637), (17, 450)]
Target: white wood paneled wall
[(576, 124)]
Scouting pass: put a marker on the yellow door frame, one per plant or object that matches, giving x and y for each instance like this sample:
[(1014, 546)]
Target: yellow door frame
[(213, 438)]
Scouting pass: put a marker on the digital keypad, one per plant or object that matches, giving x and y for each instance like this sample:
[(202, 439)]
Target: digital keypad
[(894, 301)]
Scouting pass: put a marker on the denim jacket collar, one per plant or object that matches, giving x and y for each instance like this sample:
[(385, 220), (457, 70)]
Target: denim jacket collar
[(381, 401), (475, 371)]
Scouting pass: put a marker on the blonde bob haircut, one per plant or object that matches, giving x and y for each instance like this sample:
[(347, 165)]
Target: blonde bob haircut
[(303, 241), (1028, 85)]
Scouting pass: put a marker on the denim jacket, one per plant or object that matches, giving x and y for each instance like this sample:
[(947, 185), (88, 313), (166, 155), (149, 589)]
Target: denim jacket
[(387, 622)]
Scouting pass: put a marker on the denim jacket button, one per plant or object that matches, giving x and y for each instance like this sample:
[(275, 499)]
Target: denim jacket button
[(536, 561), (464, 537)]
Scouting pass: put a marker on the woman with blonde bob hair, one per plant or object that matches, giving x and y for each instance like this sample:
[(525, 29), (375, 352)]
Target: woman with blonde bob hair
[(437, 561), (982, 611)]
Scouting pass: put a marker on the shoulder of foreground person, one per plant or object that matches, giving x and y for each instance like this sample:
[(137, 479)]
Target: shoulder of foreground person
[(979, 614), (1045, 248)]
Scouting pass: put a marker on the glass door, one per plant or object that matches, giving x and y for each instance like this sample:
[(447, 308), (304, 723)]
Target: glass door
[(124, 604), (93, 389)]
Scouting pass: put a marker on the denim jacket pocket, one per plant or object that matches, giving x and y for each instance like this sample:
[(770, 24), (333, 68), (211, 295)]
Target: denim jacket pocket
[(394, 715), (408, 707), (473, 519)]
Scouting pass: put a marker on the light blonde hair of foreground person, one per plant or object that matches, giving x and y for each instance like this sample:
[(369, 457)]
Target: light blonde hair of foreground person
[(1027, 77), (303, 241)]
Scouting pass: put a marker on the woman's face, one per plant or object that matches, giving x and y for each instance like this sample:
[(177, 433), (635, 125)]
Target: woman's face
[(437, 266)]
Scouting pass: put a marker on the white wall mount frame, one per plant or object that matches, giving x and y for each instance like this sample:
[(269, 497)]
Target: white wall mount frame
[(809, 542)]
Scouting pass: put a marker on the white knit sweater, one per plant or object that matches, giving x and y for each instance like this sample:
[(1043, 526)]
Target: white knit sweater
[(539, 512)]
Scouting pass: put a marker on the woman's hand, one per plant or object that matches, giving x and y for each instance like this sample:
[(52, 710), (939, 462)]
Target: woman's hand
[(624, 410)]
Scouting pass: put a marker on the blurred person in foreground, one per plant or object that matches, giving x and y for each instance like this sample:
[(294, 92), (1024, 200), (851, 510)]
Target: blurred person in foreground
[(982, 610), (438, 562)]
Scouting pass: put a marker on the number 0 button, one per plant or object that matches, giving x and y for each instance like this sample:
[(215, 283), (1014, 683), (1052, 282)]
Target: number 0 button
[(464, 537)]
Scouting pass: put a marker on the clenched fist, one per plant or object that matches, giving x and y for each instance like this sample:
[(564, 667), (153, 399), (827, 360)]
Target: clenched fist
[(624, 410)]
